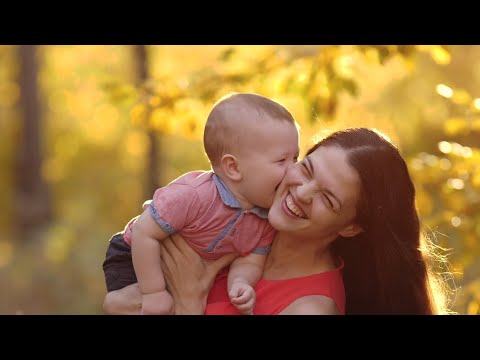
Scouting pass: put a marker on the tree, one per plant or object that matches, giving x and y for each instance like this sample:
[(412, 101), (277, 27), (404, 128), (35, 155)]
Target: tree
[(32, 200), (152, 171)]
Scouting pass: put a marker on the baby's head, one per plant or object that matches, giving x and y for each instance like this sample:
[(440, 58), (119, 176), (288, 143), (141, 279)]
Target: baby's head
[(250, 141)]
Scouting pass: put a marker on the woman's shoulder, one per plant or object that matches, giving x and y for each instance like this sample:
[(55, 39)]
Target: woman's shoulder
[(317, 293), (312, 305)]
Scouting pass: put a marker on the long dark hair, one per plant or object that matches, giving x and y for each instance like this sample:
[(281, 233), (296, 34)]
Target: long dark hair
[(386, 270)]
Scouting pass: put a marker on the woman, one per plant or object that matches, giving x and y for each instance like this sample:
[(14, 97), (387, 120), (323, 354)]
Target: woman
[(348, 208)]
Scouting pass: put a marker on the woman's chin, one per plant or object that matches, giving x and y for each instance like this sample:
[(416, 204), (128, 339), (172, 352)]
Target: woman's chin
[(277, 219)]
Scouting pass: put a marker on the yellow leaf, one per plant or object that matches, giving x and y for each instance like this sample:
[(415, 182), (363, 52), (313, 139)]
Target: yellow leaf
[(455, 126), (475, 124), (163, 121), (138, 114), (155, 101), (472, 308), (137, 143), (476, 179), (461, 97), (440, 55)]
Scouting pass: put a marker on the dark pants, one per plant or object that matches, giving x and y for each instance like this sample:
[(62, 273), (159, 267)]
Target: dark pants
[(118, 265)]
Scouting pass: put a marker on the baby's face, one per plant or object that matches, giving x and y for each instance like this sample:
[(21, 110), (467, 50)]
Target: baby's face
[(267, 153)]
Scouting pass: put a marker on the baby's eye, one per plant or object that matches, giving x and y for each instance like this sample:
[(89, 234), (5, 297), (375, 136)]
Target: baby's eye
[(281, 161)]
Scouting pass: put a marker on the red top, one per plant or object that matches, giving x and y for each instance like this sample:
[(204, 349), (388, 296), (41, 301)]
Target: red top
[(273, 296)]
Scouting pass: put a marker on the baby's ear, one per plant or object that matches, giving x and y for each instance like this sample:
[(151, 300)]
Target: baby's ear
[(350, 230), (229, 165)]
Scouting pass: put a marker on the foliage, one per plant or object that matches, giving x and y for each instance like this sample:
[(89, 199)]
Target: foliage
[(96, 144), (448, 186)]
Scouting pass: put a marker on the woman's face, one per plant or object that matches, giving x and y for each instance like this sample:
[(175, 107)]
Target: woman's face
[(318, 196)]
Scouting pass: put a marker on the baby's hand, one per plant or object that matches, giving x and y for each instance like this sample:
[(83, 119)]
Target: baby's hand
[(158, 303), (242, 297)]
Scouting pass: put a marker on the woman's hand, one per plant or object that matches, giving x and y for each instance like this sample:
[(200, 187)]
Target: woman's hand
[(188, 276)]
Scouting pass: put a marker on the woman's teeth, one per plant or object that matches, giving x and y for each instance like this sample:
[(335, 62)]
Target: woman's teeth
[(293, 208)]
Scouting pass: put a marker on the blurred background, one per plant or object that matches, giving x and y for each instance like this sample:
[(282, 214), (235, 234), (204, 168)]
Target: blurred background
[(88, 132)]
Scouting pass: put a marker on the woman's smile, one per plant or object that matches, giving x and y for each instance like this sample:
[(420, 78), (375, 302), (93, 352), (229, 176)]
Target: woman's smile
[(292, 207)]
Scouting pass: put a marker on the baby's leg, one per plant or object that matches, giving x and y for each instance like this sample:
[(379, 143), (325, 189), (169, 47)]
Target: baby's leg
[(118, 265)]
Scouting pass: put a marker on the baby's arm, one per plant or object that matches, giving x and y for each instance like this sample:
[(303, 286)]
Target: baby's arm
[(146, 234), (244, 274)]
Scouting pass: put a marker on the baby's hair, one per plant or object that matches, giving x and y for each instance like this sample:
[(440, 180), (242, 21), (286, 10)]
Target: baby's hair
[(221, 133)]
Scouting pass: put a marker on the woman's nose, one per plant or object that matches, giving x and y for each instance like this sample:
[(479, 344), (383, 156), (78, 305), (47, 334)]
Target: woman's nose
[(304, 192)]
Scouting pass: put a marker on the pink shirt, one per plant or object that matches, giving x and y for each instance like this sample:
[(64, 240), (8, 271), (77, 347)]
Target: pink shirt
[(200, 207)]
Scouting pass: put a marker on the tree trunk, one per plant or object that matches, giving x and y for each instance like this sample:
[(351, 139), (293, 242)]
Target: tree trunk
[(32, 201), (153, 170)]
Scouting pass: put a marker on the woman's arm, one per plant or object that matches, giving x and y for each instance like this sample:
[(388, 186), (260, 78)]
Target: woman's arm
[(189, 277)]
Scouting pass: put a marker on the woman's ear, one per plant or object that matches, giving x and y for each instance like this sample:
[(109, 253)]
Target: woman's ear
[(230, 168), (350, 230)]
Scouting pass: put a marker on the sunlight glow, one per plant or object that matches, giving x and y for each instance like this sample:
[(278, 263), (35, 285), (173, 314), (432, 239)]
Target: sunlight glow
[(456, 221), (445, 147), (467, 152), (445, 164), (460, 150), (430, 160), (344, 66), (444, 90), (440, 55), (457, 149), (476, 103), (417, 164), (456, 184)]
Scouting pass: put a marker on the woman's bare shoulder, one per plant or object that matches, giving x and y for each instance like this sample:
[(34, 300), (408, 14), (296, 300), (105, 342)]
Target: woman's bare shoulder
[(312, 305)]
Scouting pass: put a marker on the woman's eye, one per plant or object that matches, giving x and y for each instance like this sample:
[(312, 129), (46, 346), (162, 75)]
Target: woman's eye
[(328, 201), (305, 167)]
